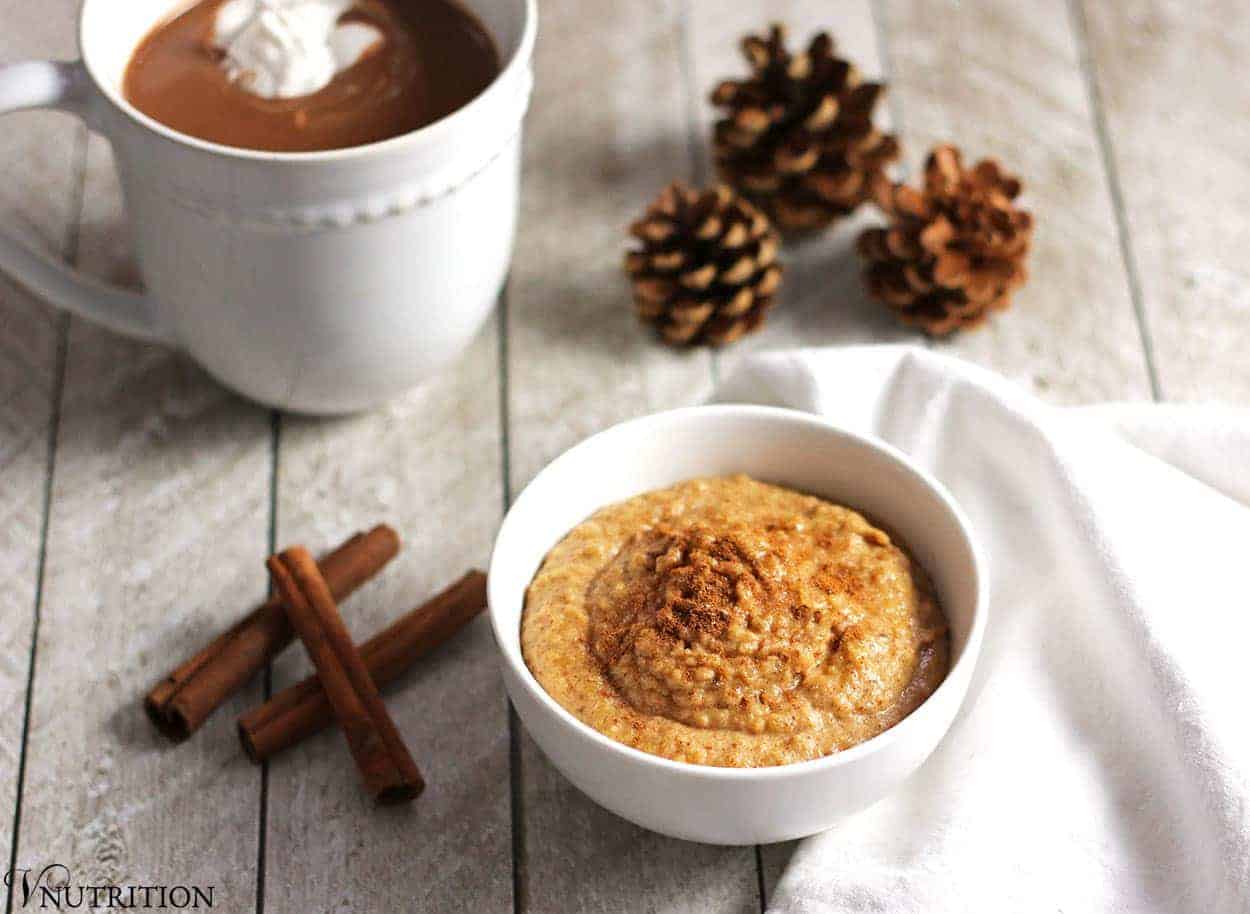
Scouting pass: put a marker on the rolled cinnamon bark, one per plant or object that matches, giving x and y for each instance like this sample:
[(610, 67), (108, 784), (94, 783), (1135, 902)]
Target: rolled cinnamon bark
[(303, 709), (180, 702), (385, 764)]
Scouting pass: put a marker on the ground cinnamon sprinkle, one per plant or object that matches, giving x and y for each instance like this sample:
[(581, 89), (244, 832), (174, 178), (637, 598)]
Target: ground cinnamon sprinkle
[(730, 622), (842, 580)]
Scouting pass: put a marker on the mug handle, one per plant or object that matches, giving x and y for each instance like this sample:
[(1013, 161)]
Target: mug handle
[(64, 85)]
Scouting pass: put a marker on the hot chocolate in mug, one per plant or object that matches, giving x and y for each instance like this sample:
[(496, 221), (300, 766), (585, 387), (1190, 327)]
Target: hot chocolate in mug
[(321, 282)]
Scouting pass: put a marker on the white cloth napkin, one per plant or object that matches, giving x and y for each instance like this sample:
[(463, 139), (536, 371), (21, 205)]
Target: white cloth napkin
[(1102, 760)]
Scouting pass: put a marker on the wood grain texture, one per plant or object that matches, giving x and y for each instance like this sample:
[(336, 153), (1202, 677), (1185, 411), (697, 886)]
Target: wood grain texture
[(40, 159), (29, 340), (606, 131), (158, 523), (429, 464), (1171, 80), (1002, 78), (163, 484)]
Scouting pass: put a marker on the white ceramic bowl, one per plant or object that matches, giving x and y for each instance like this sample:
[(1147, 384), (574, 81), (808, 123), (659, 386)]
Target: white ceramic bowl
[(738, 805)]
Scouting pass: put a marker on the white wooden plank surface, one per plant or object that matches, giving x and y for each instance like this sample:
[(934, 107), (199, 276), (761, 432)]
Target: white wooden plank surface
[(159, 516), (29, 338), (1002, 78), (40, 160), (607, 130), (430, 465), (1171, 78), (162, 489)]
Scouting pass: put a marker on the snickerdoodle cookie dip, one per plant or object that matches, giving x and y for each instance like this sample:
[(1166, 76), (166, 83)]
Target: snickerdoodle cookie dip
[(729, 622)]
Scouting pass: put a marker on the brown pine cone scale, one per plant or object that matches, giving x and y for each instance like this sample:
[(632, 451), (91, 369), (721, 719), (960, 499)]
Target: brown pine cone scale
[(955, 249), (705, 270), (797, 134)]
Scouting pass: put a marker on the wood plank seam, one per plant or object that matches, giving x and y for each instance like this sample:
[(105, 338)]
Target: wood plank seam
[(516, 794), (759, 876), (58, 385), (69, 253), (275, 448), (1080, 33)]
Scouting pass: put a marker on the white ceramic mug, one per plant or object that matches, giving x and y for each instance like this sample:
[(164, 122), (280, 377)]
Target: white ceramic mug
[(320, 282)]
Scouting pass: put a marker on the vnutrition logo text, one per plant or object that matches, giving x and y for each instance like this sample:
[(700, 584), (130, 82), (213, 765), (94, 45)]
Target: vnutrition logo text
[(53, 889)]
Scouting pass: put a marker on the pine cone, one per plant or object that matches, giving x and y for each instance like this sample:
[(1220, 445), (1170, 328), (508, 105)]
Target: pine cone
[(956, 249), (797, 135), (707, 268)]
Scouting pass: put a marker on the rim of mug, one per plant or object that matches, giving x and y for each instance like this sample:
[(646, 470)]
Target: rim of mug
[(519, 59)]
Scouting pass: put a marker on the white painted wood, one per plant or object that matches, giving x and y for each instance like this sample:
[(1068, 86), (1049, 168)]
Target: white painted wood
[(28, 344), (161, 494), (430, 465), (606, 133), (1171, 78), (158, 526), (607, 130), (37, 204), (1002, 78)]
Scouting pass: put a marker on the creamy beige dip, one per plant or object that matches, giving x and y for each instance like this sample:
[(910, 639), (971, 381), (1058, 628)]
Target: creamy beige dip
[(729, 622)]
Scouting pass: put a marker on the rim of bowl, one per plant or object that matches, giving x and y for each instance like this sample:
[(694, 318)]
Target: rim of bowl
[(962, 666), (519, 59)]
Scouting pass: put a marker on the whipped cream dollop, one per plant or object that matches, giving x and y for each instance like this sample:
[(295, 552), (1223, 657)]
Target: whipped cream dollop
[(289, 48)]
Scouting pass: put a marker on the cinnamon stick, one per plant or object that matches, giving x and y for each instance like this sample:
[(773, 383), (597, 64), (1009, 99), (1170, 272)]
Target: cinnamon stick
[(180, 702), (303, 709), (388, 769)]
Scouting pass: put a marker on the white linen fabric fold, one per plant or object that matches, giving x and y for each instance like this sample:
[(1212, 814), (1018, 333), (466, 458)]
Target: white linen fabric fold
[(1102, 759)]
